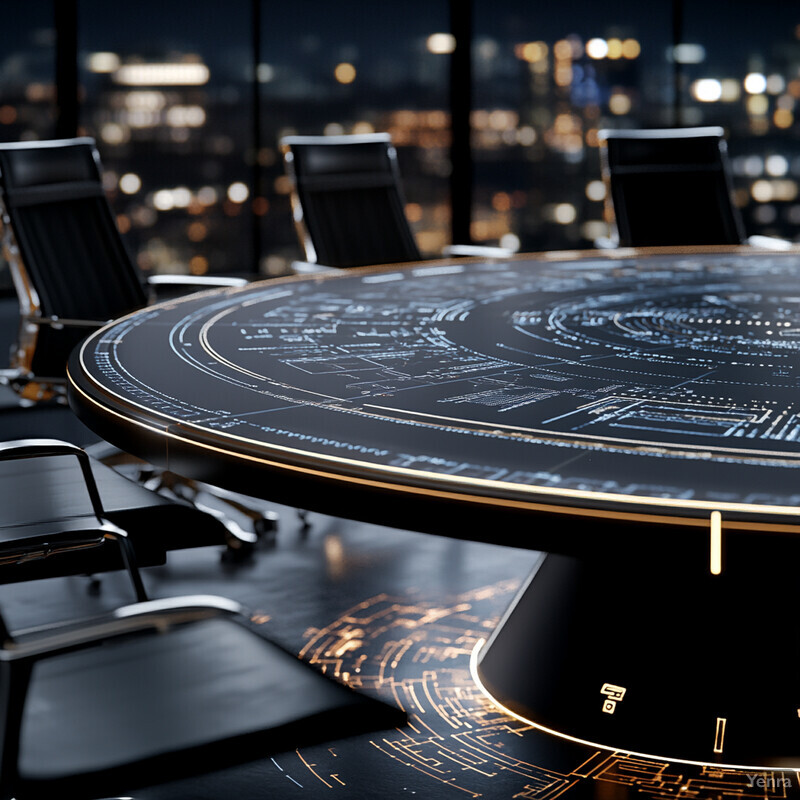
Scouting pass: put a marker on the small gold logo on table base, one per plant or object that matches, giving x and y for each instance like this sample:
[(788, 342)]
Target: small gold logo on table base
[(614, 695)]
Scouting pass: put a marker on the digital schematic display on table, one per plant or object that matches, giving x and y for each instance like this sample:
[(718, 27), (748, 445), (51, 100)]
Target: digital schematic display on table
[(633, 381)]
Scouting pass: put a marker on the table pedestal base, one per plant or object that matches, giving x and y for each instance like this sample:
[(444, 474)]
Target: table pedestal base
[(656, 656)]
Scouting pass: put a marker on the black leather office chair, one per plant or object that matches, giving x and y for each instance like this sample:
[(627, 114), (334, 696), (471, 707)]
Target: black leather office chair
[(348, 203), (149, 691), (38, 483), (72, 274), (669, 187), (52, 519), (67, 259), (672, 187)]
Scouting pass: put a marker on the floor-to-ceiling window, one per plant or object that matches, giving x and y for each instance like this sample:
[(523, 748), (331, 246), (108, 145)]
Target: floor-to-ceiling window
[(165, 94), (546, 80), (188, 101), (742, 71), (27, 73), (332, 68), (27, 79)]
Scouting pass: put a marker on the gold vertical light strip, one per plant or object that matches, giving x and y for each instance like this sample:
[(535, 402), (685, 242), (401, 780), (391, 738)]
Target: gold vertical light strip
[(716, 543), (719, 736)]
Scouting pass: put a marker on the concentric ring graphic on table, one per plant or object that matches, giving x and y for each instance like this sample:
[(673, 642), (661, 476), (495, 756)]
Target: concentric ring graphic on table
[(669, 381)]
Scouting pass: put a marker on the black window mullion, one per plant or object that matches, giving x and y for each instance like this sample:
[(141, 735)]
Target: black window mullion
[(460, 96), (65, 17)]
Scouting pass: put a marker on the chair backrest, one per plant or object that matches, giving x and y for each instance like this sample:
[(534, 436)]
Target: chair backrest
[(669, 187), (62, 243), (347, 200)]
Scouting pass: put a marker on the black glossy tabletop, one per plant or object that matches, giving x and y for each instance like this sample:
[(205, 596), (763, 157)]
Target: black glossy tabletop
[(658, 387)]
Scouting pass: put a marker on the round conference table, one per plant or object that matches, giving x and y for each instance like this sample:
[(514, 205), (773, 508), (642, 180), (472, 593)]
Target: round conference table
[(635, 414)]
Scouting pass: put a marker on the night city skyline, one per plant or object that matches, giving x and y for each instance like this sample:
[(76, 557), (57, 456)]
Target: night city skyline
[(543, 84)]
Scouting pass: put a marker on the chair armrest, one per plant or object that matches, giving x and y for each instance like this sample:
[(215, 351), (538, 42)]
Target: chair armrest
[(769, 242), (307, 268), (201, 281), (37, 448), (59, 322), (478, 250), (605, 243), (171, 287), (148, 614), (10, 374)]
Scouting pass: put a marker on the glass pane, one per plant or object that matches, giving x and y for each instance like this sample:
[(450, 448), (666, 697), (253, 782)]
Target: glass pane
[(356, 68), (167, 96), (27, 71), (545, 83), (748, 81)]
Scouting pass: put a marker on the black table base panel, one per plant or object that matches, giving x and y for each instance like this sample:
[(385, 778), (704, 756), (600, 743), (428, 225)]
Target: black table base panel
[(653, 654)]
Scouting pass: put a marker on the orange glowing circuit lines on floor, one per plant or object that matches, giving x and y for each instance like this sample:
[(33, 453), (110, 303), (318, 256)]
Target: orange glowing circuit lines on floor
[(416, 654)]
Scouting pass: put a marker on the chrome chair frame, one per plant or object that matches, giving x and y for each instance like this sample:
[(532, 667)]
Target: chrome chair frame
[(74, 727)]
